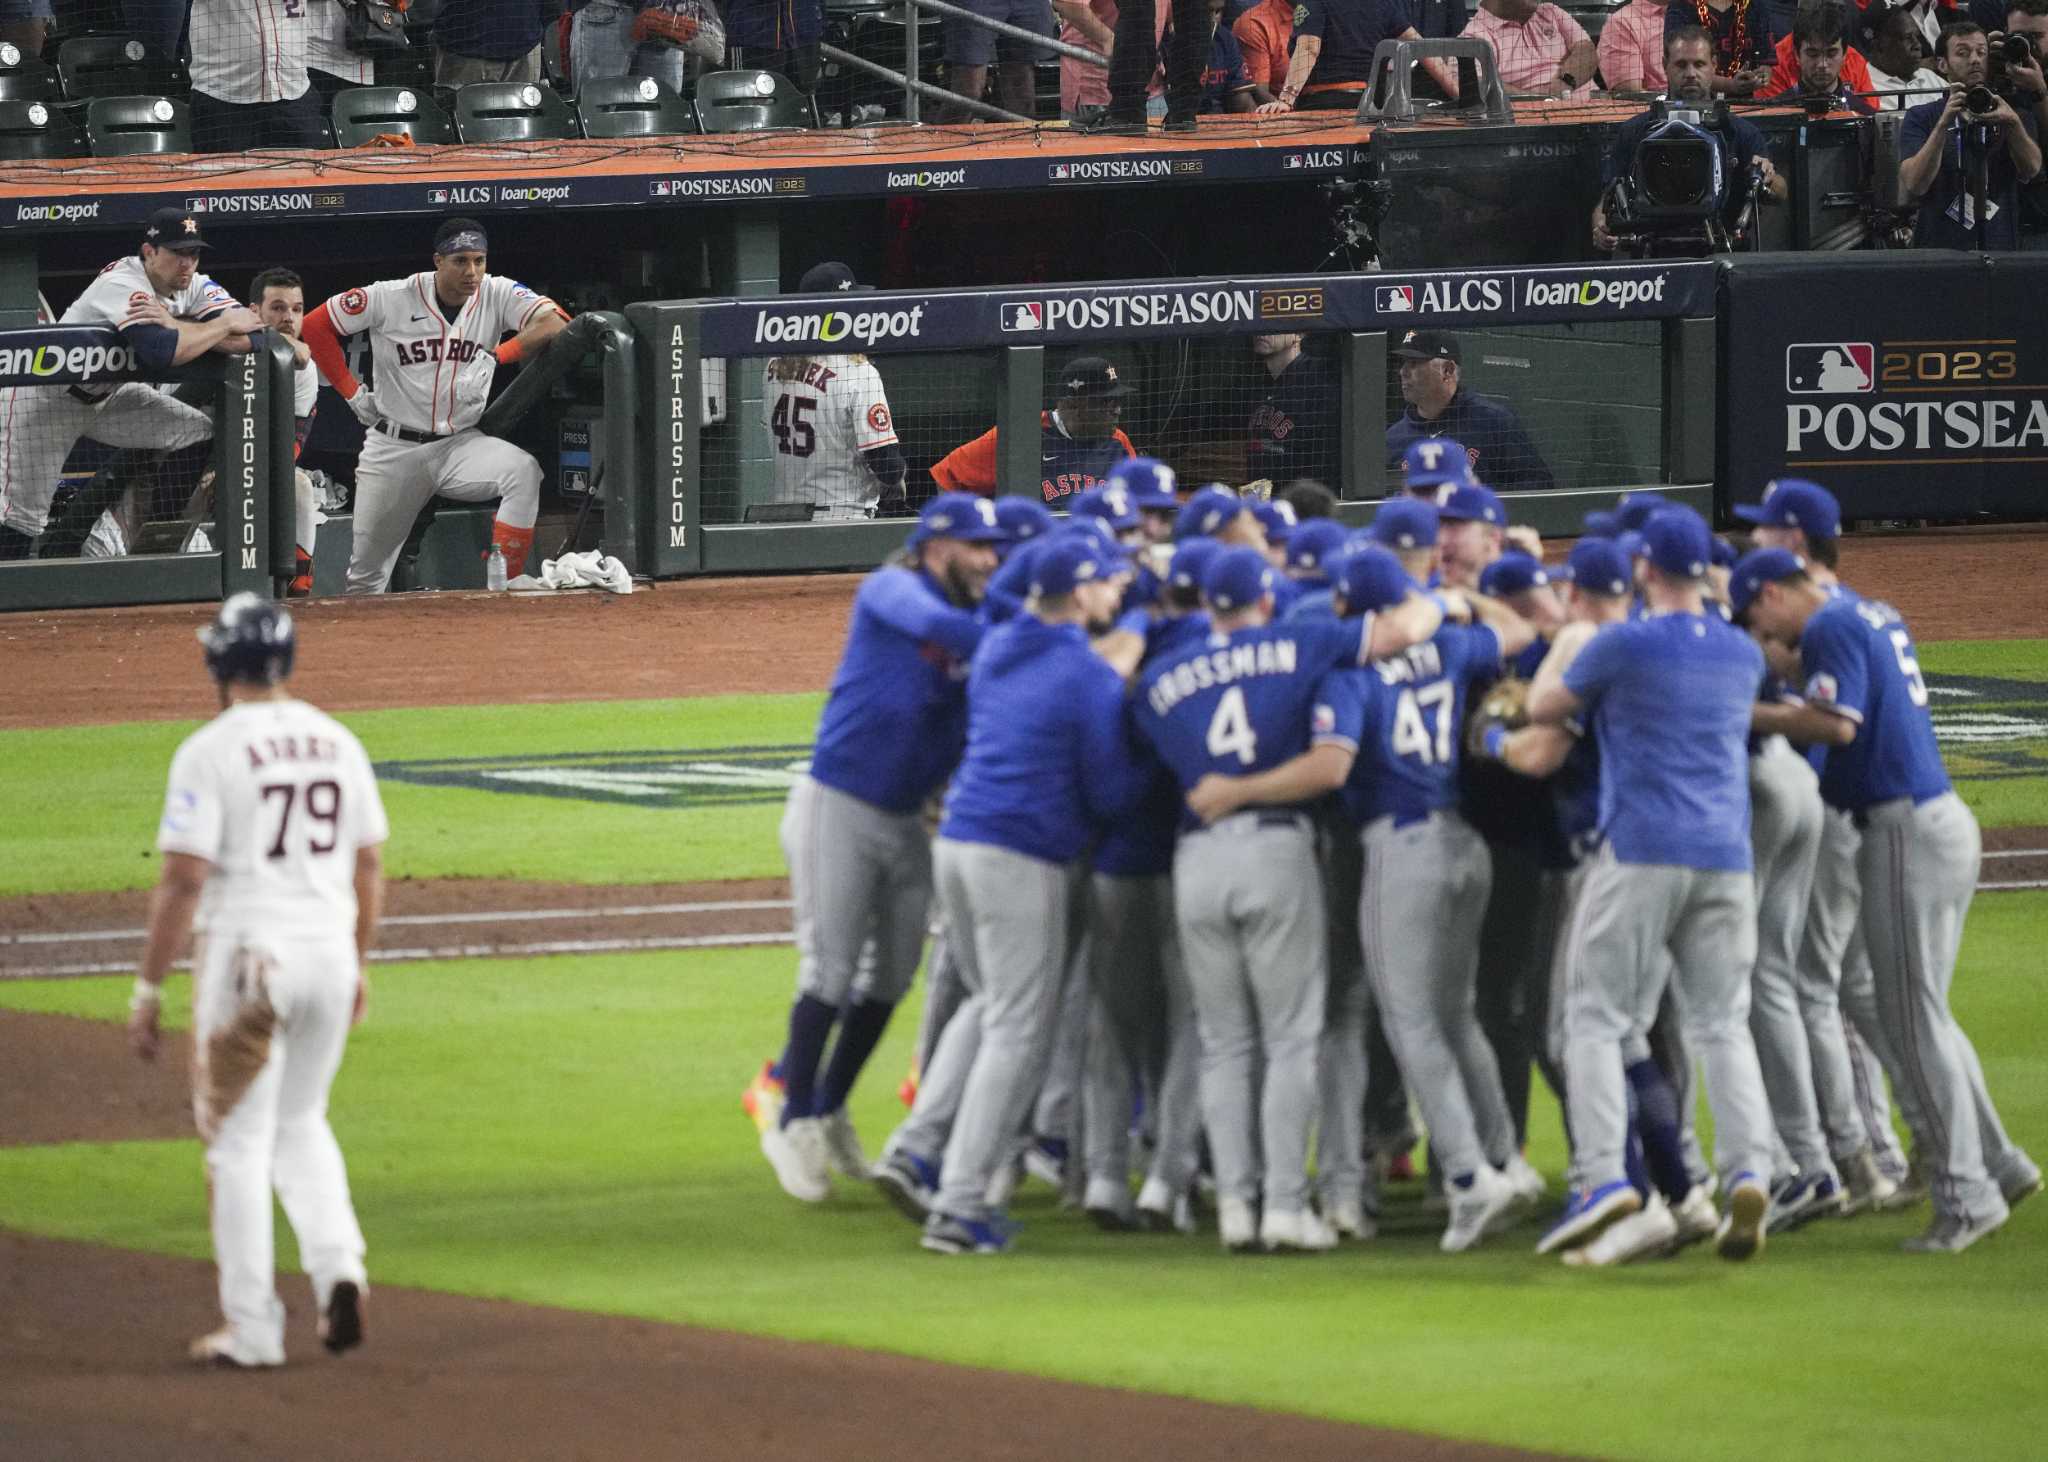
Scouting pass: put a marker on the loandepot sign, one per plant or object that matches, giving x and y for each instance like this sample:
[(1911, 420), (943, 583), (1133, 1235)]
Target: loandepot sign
[(720, 776)]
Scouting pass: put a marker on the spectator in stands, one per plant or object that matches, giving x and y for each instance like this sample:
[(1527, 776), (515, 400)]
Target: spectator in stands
[(1334, 41), (1944, 150), (1537, 47), (1740, 34), (644, 38), (1891, 42), (330, 64), (1081, 439), (1226, 84), (245, 96), (971, 48), (1632, 47), (25, 24), (1091, 25), (490, 40), (777, 35), (1265, 34), (1442, 20), (1785, 69), (1820, 41), (1439, 405), (2030, 18), (1294, 425)]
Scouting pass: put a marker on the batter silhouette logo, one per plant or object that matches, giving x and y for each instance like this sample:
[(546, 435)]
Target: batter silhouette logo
[(1024, 315), (1830, 368), (1395, 299)]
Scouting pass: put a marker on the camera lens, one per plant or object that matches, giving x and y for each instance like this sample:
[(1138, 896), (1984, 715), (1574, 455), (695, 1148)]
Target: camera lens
[(2017, 49), (1978, 100)]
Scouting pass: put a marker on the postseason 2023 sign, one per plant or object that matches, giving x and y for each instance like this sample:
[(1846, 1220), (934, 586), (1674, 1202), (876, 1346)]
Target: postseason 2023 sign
[(1910, 384)]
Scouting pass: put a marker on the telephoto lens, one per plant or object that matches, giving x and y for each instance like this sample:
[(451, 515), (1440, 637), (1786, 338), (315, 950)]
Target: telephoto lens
[(1979, 101)]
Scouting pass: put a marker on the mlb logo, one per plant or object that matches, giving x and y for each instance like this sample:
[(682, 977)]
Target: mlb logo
[(1395, 299), (1294, 160), (1062, 170), (661, 189), (1830, 368), (437, 195), (195, 205), (1024, 315)]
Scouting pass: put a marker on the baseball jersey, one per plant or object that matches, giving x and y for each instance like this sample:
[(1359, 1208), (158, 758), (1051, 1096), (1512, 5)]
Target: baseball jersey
[(1496, 443), (278, 797), (822, 412), (124, 284), (1067, 465), (1406, 715), (1141, 844), (1860, 663), (1674, 789), (1294, 425), (249, 51), (433, 373)]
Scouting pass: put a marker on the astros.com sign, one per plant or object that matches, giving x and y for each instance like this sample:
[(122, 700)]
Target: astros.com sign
[(832, 327), (1615, 293), (79, 362)]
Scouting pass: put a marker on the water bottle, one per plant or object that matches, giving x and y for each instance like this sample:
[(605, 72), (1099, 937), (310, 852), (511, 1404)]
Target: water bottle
[(494, 568)]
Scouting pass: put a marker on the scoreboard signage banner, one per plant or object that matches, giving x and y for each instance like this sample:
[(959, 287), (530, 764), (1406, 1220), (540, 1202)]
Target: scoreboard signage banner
[(1911, 385)]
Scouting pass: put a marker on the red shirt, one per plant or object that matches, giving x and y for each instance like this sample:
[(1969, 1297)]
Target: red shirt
[(1785, 75)]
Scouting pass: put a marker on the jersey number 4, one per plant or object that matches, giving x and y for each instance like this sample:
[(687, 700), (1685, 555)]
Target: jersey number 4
[(1411, 730), (1230, 729), (321, 804), (794, 434)]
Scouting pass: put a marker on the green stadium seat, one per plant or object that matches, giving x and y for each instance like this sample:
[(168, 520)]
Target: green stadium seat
[(752, 101), (512, 111), (632, 106), (35, 129), (362, 112), (110, 65), (125, 126)]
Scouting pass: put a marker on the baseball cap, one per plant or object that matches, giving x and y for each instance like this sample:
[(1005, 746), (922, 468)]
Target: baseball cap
[(1067, 559), (1278, 520), (1404, 522), (1436, 460), (827, 277), (1635, 508), (1512, 573), (1473, 503), (1793, 502), (1111, 504), (1371, 579), (959, 515), (1190, 561), (1021, 518), (1598, 566), (1602, 525), (174, 228), (1207, 512), (1724, 553), (1678, 542), (1236, 578), (1629, 542), (1315, 546), (1092, 377), (1757, 568), (1149, 481), (1427, 345)]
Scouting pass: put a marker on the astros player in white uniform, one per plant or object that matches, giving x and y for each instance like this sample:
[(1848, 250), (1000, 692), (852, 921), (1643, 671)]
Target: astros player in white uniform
[(168, 313), (435, 340), (279, 296), (833, 439), (272, 833)]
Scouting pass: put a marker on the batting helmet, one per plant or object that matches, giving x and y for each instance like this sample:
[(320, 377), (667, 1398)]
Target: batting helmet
[(250, 639)]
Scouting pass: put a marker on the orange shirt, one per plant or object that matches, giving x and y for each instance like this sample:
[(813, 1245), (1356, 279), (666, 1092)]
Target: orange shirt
[(1264, 33), (1785, 75), (1070, 466)]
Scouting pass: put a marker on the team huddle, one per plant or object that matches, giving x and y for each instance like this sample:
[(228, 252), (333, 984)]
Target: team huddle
[(1257, 835)]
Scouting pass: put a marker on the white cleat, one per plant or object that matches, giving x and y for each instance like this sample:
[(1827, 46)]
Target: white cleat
[(1741, 1233), (1235, 1225), (224, 1350), (1870, 1191), (1478, 1209), (1951, 1234), (1161, 1210), (1108, 1206), (1643, 1235), (1697, 1217), (1348, 1219), (1529, 1185), (797, 1153), (1295, 1232), (843, 1153)]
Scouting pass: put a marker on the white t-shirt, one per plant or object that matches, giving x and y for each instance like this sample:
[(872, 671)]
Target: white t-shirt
[(278, 797), (123, 283), (247, 51), (434, 374), (1931, 82), (822, 412), (305, 390)]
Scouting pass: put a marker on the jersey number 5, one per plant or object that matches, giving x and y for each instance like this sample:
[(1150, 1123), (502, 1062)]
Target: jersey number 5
[(1909, 666), (1230, 729), (322, 805), (794, 434), (1411, 731)]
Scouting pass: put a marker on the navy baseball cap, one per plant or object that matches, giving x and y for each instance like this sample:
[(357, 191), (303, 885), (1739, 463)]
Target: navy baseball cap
[(959, 515), (1277, 519), (828, 277), (1022, 518), (1635, 508), (1757, 568), (1191, 559), (1434, 461), (1207, 513), (1404, 522), (1473, 503), (1149, 481), (1602, 525), (1091, 378), (1111, 504), (1598, 566), (174, 228), (1237, 578), (1678, 542), (1069, 559), (1315, 545), (1793, 502), (1427, 345), (1372, 579), (1512, 573)]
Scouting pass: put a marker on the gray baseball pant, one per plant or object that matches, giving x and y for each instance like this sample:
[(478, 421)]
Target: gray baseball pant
[(1247, 898), (1420, 905), (1829, 963), (856, 873), (39, 425), (1144, 1031), (1056, 1112), (1342, 1066), (943, 994)]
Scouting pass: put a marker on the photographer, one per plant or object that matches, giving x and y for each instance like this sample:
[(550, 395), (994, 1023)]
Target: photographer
[(1967, 154), (1689, 71), (2028, 21)]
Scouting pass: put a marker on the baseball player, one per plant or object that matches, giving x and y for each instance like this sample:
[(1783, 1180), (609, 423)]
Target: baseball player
[(1217, 512), (280, 297), (1153, 490), (1867, 702), (272, 834), (1080, 443), (853, 831), (1471, 533), (168, 313), (437, 339), (1674, 872), (828, 415)]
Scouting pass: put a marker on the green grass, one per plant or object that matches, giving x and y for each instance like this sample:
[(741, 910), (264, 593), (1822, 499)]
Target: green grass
[(567, 1132)]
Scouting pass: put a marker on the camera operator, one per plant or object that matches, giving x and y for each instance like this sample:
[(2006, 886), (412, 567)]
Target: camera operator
[(2028, 91), (1967, 154), (1689, 72)]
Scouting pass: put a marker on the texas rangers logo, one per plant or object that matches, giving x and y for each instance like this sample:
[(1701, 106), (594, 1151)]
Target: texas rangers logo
[(354, 302), (1395, 299), (878, 416), (1024, 315), (1830, 368)]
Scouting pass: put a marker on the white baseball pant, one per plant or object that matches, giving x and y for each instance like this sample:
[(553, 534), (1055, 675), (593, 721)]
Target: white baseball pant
[(395, 479)]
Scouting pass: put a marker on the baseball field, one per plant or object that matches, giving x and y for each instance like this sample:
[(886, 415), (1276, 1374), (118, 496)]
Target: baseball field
[(576, 1249)]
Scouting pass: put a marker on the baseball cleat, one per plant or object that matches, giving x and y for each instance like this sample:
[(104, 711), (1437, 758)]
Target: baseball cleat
[(2021, 1182), (1163, 1211), (1482, 1206), (946, 1234), (1741, 1234), (1649, 1233), (1046, 1160), (1348, 1219), (1953, 1233), (341, 1326), (763, 1099), (1108, 1206), (1586, 1213), (1296, 1231), (223, 1351), (1236, 1226), (1796, 1202), (909, 1183), (796, 1151), (843, 1153), (1697, 1218), (1869, 1189), (1529, 1185)]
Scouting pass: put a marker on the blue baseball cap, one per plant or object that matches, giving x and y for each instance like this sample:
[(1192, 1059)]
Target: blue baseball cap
[(1191, 559), (1471, 502), (1678, 541), (961, 516), (1371, 579), (1434, 461), (1277, 519), (1793, 502), (1207, 513), (1404, 522), (1022, 518), (1602, 525), (1724, 553), (1315, 545), (1067, 559), (1149, 481), (1110, 503), (1634, 509), (1236, 578), (1598, 566), (1757, 568), (1629, 542), (1512, 573)]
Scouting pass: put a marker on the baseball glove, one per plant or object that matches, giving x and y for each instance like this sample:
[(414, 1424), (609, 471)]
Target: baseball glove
[(1505, 704)]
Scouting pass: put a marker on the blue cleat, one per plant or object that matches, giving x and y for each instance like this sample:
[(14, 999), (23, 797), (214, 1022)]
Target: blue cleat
[(946, 1234), (909, 1182), (1587, 1213)]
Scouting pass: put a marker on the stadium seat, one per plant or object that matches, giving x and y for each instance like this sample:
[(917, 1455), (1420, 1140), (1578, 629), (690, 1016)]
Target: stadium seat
[(362, 112), (632, 106), (123, 126), (109, 65), (752, 101), (23, 78), (512, 111), (34, 129)]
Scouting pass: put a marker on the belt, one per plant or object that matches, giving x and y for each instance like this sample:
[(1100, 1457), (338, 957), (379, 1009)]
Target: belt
[(407, 434), (1259, 817)]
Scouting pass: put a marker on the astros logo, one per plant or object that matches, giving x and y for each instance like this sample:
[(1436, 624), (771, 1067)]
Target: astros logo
[(354, 302)]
